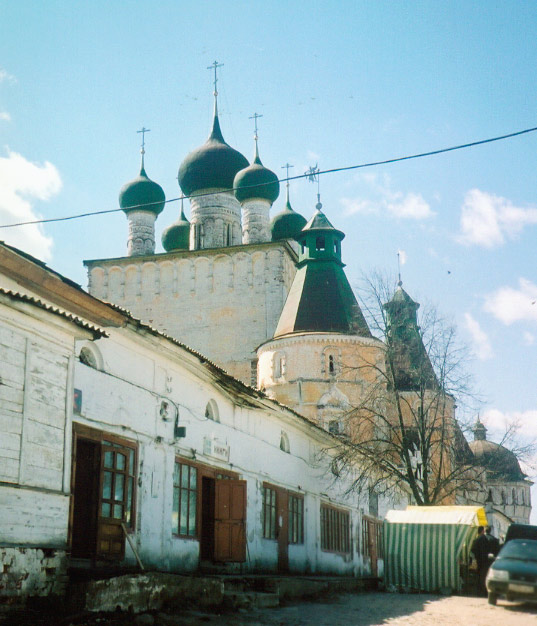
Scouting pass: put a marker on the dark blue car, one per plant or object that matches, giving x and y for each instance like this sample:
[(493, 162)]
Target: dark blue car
[(513, 574)]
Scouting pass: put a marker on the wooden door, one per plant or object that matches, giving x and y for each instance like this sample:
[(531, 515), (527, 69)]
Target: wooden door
[(282, 500), (114, 475), (373, 552), (230, 521), (85, 499)]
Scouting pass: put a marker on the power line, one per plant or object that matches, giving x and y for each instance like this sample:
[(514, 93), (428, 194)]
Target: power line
[(419, 155)]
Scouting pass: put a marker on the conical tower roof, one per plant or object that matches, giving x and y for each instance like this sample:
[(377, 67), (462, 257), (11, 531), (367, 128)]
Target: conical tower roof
[(320, 298), (177, 235)]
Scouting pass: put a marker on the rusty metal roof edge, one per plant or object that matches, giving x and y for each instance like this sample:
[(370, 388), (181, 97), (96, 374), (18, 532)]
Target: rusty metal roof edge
[(22, 297)]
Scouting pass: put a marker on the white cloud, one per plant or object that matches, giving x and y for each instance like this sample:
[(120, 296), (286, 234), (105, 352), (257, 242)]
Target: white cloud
[(6, 76), (410, 205), (21, 184), (480, 341), (514, 305), (486, 219), (497, 421), (5, 116)]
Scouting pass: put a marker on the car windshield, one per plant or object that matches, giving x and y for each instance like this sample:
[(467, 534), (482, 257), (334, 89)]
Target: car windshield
[(520, 549)]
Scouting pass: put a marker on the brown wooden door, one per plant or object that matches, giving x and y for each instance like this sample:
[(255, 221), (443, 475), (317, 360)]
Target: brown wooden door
[(114, 476), (282, 500), (85, 499), (373, 551), (230, 521)]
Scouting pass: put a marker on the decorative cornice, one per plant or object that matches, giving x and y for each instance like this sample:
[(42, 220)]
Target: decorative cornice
[(323, 338)]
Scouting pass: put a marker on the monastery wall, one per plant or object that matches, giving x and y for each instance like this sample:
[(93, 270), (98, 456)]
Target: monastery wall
[(223, 302)]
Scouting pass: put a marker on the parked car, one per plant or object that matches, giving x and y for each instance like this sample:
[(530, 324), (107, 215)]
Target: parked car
[(521, 531), (513, 574)]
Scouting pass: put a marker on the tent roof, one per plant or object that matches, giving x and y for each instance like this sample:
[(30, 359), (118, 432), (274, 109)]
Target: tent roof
[(465, 515)]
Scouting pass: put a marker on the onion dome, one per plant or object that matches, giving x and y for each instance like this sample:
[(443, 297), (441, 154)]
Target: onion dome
[(499, 462), (211, 166), (287, 224), (256, 182), (177, 235), (142, 194)]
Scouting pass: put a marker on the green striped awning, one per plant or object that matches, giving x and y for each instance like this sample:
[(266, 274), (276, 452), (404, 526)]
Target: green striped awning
[(423, 549)]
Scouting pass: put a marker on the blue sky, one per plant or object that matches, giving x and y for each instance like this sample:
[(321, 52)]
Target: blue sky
[(337, 83)]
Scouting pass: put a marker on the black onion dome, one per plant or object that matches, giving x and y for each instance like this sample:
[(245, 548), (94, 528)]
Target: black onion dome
[(499, 461), (177, 235), (211, 166), (256, 181), (287, 224), (142, 194)]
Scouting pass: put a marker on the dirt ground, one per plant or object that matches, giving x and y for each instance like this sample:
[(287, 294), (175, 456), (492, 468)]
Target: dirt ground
[(366, 609)]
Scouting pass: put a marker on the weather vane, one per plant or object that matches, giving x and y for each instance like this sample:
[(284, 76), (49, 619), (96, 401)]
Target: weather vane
[(312, 175)]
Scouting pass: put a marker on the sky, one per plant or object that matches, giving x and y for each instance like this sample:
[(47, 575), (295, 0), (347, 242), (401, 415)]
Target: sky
[(338, 83)]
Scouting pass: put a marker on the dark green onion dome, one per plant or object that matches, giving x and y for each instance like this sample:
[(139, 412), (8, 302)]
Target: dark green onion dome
[(256, 182), (142, 194), (177, 235), (287, 224), (211, 166)]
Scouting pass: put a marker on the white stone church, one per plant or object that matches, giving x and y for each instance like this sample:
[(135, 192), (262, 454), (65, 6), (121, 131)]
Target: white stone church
[(182, 413)]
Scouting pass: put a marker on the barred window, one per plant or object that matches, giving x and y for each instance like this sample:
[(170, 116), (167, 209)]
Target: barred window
[(184, 500), (269, 513), (335, 530), (296, 519)]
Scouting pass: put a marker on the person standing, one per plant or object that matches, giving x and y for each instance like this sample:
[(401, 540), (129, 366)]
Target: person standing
[(480, 549), (494, 544)]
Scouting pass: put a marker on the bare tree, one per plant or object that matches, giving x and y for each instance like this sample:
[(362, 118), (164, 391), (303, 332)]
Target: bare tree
[(403, 434)]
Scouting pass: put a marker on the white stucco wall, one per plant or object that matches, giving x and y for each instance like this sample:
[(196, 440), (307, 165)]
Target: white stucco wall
[(125, 400)]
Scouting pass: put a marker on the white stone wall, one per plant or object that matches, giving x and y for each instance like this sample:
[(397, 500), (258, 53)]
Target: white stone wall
[(125, 400), (36, 352), (223, 303)]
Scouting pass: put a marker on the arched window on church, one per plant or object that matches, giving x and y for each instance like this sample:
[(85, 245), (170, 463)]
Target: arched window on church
[(284, 442), (514, 496), (228, 235), (91, 356), (504, 501), (279, 365), (211, 411), (330, 364), (522, 496)]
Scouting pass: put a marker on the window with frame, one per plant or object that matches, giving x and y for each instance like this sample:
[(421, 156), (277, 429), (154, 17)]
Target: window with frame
[(118, 478), (335, 530), (185, 489), (296, 518), (269, 513)]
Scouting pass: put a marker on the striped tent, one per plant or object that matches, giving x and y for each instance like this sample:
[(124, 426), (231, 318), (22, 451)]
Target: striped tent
[(425, 546)]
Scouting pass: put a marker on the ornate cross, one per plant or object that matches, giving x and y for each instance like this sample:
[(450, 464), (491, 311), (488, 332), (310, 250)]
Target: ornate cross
[(143, 130), (215, 66), (287, 166), (255, 117)]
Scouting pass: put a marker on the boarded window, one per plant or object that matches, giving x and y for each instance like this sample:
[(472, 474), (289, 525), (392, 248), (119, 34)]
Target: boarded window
[(269, 513), (185, 485), (296, 519), (335, 530)]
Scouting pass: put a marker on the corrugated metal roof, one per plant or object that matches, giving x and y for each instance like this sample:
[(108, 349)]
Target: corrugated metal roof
[(462, 515), (21, 297)]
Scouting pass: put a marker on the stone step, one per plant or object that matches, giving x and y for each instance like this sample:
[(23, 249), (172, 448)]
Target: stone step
[(250, 600)]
